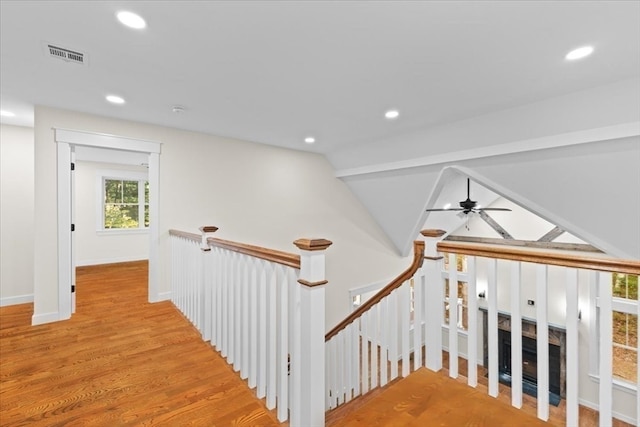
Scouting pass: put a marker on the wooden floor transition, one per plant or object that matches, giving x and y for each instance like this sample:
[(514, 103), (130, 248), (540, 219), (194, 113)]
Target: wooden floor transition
[(119, 361)]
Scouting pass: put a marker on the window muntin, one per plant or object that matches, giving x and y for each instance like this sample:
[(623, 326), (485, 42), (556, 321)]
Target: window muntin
[(462, 304), (123, 203), (625, 327)]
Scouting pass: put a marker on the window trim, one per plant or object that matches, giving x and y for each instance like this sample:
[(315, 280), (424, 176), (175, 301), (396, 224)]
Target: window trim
[(619, 304), (124, 175)]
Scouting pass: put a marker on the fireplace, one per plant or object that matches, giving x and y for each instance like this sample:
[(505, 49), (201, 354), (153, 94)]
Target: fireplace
[(557, 345)]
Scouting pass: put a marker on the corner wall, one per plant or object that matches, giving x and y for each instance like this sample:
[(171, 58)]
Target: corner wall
[(16, 214)]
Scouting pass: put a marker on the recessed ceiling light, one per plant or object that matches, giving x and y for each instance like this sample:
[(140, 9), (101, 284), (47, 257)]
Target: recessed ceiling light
[(115, 99), (579, 53), (131, 20), (392, 114), (309, 140), (4, 113)]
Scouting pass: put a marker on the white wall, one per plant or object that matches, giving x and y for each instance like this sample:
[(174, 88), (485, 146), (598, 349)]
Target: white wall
[(16, 214), (256, 194), (93, 247)]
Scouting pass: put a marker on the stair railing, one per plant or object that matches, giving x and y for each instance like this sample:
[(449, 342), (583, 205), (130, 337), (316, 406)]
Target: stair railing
[(392, 328), (263, 310), (570, 271), (363, 351)]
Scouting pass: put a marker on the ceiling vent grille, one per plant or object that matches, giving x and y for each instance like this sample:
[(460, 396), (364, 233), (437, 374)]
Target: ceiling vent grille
[(66, 55)]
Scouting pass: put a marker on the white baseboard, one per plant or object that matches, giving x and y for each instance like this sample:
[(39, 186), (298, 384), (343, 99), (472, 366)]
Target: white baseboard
[(164, 296), (86, 262), (622, 417), (41, 319), (18, 299)]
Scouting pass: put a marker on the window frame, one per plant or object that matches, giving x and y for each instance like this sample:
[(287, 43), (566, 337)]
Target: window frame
[(462, 276), (619, 304), (120, 175)]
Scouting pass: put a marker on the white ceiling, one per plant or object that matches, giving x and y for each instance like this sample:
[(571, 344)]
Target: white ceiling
[(275, 72)]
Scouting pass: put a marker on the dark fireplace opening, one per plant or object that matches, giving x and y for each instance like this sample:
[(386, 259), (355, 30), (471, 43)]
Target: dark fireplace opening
[(529, 366)]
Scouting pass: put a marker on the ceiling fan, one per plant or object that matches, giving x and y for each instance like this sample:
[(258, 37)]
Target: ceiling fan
[(469, 206)]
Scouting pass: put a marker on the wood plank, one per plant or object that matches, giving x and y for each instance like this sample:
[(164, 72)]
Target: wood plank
[(427, 398), (525, 243), (496, 227), (119, 360), (553, 234)]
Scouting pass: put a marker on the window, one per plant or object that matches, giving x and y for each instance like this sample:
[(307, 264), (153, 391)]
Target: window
[(625, 326), (124, 203), (463, 298)]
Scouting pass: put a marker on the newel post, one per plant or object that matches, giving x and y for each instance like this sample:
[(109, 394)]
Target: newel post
[(310, 360), (206, 283), (435, 301), (207, 231)]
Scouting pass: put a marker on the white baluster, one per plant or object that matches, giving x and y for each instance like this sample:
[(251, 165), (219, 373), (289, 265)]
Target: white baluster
[(606, 349), (542, 341), (472, 323), (272, 328), (355, 359), (492, 326), (339, 339), (516, 336), (453, 316), (253, 320), (246, 350), (572, 352), (384, 342), (282, 344), (418, 315), (393, 336), (348, 362), (295, 350), (261, 390), (218, 292), (364, 330), (405, 319), (373, 333)]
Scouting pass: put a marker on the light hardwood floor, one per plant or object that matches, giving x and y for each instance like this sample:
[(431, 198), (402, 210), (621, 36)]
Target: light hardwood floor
[(122, 361), (118, 361)]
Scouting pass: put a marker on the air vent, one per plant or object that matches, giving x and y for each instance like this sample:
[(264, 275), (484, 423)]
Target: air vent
[(66, 55)]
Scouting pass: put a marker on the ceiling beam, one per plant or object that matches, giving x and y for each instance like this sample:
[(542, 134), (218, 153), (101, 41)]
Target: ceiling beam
[(497, 227), (525, 243), (551, 235)]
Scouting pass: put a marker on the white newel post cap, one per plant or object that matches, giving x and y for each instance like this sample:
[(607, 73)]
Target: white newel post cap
[(431, 238), (312, 265), (207, 231)]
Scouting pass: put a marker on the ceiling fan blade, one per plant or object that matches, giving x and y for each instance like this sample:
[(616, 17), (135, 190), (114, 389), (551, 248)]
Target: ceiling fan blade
[(443, 210), (495, 209)]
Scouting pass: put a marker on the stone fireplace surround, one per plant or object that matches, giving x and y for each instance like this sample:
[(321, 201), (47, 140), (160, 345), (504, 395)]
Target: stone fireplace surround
[(557, 337)]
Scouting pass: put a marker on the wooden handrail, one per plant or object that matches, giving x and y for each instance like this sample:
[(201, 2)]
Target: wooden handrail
[(279, 257), (418, 258), (540, 257), (189, 236)]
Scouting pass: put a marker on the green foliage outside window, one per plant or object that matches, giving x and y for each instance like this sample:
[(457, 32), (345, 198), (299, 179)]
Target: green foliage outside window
[(121, 204), (625, 329)]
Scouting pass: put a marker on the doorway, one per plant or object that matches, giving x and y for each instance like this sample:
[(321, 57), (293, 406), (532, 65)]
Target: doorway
[(70, 145)]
